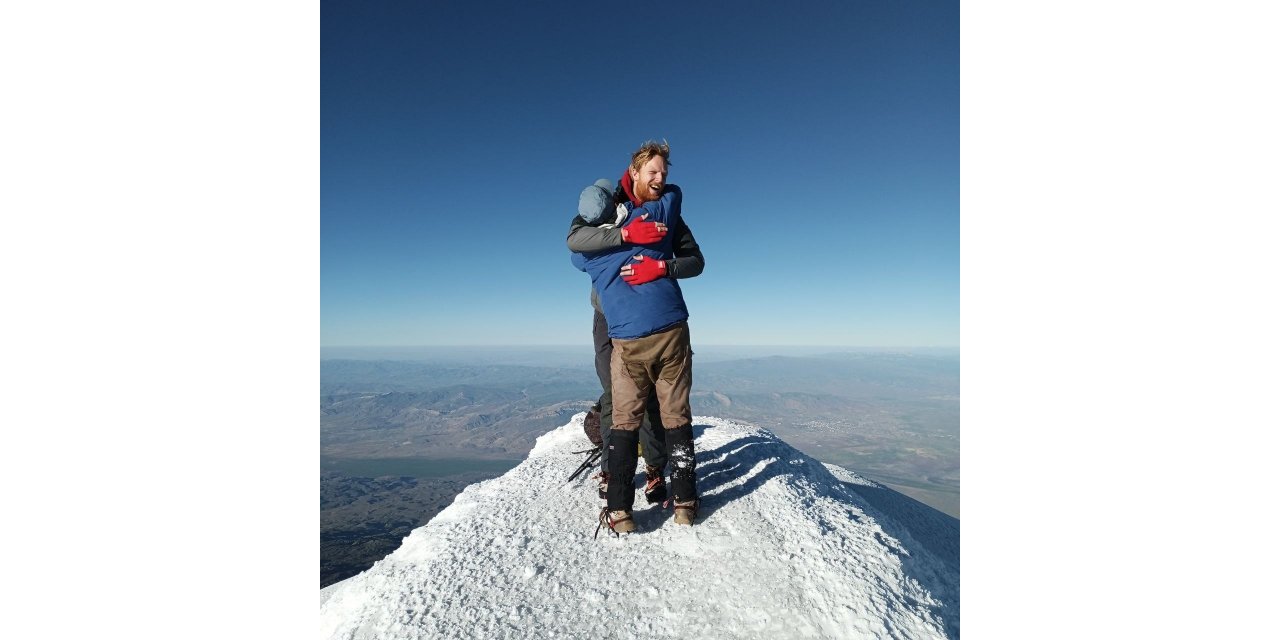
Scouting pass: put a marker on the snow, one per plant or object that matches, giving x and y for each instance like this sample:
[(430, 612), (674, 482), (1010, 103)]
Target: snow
[(784, 546)]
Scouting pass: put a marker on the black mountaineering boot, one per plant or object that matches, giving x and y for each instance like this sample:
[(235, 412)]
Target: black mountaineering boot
[(684, 473), (622, 469)]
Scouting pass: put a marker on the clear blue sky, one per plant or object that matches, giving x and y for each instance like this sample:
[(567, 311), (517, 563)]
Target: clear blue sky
[(817, 145)]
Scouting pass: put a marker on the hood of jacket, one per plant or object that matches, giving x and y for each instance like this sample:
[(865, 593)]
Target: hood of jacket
[(625, 183)]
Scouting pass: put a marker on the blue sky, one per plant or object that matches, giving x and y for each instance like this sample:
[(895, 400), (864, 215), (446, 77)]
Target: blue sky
[(817, 145)]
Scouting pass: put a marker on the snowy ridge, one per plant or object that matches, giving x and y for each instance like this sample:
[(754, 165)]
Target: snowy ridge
[(784, 546)]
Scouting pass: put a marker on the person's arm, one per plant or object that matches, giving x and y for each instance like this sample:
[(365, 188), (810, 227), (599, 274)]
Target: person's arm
[(584, 238), (688, 261)]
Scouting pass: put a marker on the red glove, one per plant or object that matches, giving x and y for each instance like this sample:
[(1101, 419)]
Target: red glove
[(644, 232), (646, 270)]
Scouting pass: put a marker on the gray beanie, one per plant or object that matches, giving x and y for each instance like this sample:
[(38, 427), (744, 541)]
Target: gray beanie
[(596, 201)]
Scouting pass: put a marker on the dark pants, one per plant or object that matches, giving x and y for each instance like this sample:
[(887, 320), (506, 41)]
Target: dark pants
[(652, 441)]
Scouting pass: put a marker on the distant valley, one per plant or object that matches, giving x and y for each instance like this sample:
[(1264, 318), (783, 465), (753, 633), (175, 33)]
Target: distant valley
[(383, 409)]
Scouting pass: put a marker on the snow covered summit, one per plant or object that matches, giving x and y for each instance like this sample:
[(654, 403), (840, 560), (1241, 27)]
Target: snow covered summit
[(784, 547)]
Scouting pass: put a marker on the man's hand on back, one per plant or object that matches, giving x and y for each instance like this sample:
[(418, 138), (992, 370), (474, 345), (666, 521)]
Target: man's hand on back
[(644, 232), (645, 270)]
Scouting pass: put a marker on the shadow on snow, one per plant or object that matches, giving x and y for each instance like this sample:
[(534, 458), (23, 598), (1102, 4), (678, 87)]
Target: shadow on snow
[(912, 523)]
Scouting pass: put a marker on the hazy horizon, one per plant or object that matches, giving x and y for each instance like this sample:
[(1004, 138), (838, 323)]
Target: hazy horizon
[(587, 344), (582, 354)]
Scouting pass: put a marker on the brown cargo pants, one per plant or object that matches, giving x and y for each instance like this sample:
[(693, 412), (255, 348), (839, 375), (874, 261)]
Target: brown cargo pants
[(662, 362)]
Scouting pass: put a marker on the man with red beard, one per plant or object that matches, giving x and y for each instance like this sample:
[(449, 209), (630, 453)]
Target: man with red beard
[(633, 267)]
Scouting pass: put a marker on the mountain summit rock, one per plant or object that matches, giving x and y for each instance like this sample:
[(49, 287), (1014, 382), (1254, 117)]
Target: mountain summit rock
[(784, 547)]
